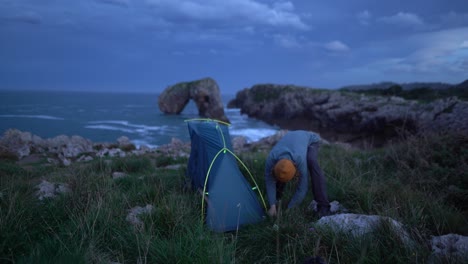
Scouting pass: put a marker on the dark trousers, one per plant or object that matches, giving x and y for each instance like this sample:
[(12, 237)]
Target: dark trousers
[(317, 176)]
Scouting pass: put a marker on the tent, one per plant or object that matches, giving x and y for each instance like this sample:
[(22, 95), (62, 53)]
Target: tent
[(213, 170)]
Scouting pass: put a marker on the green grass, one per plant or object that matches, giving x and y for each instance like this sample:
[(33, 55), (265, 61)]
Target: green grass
[(422, 183), (268, 92), (422, 94)]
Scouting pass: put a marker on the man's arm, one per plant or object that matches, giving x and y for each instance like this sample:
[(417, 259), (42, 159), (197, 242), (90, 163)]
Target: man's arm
[(270, 182)]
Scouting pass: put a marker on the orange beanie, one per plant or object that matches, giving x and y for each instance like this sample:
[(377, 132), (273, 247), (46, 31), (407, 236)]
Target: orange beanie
[(284, 170)]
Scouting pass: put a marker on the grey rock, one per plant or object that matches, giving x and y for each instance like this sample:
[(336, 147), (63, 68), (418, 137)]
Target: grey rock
[(69, 147), (204, 92), (349, 117), (102, 153), (335, 207), (16, 142), (449, 246), (53, 161), (23, 151), (238, 143), (118, 175), (50, 190), (134, 212), (62, 188), (64, 160), (65, 150), (46, 190), (175, 149), (145, 148), (116, 153), (138, 152), (84, 158), (123, 141), (262, 145), (358, 224), (175, 166)]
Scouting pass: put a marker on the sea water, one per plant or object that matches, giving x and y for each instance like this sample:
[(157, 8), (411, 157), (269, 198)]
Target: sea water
[(106, 116)]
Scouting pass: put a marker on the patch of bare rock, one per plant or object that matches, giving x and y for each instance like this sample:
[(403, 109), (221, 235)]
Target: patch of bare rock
[(135, 212), (47, 189)]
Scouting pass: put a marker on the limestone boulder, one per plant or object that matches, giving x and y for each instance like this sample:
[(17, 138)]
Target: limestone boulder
[(20, 144), (50, 190), (69, 147), (205, 94), (358, 225), (449, 246)]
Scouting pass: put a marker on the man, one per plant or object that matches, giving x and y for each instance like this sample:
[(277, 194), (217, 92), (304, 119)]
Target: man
[(295, 155)]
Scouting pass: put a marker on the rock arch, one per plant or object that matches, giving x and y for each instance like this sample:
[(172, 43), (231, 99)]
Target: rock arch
[(204, 92)]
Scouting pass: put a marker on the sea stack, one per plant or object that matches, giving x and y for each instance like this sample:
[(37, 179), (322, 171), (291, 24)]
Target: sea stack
[(204, 92)]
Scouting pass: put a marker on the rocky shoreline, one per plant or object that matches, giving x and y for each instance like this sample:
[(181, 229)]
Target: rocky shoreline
[(25, 147), (357, 119), (353, 117)]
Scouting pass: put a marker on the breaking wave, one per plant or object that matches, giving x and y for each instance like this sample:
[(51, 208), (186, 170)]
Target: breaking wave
[(34, 116)]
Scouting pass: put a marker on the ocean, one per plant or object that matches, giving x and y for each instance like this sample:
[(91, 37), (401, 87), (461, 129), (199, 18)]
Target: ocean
[(105, 116)]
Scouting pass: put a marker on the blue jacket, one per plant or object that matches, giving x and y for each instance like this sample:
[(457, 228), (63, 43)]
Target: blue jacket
[(293, 146)]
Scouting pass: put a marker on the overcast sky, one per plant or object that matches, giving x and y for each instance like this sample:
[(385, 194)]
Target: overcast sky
[(146, 45)]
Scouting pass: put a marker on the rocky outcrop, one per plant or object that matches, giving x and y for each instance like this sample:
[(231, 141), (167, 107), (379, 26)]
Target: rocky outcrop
[(463, 85), (205, 93), (349, 117), (64, 150), (27, 148), (20, 144)]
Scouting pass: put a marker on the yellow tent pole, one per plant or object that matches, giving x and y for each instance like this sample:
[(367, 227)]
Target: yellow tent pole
[(251, 176), (208, 119)]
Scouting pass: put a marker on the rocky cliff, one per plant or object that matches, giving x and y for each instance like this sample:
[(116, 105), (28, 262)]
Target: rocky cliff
[(349, 117), (205, 93)]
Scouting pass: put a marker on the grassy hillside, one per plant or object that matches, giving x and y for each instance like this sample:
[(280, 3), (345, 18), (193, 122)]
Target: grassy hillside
[(422, 183), (423, 94)]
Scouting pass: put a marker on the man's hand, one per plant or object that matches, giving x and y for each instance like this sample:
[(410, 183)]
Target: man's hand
[(272, 211)]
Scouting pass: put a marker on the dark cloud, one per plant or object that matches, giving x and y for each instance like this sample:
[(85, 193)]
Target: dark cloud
[(403, 19), (244, 41), (281, 14), (24, 17), (454, 19)]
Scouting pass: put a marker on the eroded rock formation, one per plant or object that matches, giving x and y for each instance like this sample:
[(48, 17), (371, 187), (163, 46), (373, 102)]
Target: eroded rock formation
[(349, 117), (64, 150), (205, 93)]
